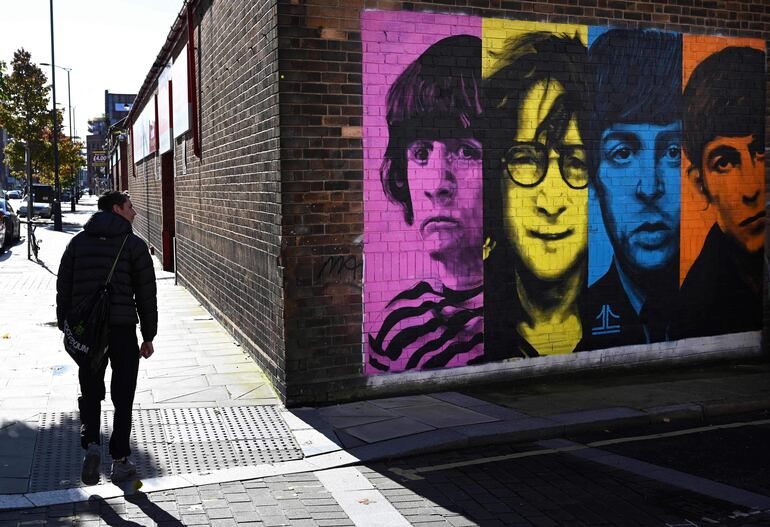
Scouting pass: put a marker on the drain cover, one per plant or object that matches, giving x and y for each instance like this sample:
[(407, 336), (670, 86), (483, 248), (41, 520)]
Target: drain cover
[(165, 442)]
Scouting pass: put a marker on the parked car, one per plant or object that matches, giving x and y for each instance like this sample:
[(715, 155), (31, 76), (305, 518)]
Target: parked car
[(66, 196), (42, 210), (13, 194), (42, 200), (10, 226)]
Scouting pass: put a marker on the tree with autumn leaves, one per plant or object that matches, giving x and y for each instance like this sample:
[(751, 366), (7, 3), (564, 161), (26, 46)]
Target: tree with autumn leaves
[(26, 116)]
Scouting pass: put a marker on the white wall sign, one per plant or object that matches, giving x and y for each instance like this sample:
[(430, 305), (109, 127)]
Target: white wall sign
[(179, 96), (164, 110)]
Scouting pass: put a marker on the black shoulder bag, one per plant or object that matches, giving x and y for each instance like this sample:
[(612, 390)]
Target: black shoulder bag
[(86, 328)]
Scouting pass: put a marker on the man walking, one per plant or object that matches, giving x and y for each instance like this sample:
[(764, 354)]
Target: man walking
[(84, 268)]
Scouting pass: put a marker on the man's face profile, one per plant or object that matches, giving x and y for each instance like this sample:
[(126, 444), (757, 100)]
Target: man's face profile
[(734, 177), (126, 210), (445, 182), (638, 184), (544, 188)]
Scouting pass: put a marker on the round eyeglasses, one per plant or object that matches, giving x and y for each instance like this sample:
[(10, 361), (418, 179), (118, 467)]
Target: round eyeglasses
[(527, 164)]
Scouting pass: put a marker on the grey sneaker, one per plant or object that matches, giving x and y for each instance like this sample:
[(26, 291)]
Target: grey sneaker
[(91, 462), (122, 470)]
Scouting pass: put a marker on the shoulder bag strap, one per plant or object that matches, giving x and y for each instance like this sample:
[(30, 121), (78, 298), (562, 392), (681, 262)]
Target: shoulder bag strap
[(109, 277)]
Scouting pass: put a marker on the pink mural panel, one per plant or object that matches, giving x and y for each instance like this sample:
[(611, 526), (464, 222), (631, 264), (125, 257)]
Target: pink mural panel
[(422, 191)]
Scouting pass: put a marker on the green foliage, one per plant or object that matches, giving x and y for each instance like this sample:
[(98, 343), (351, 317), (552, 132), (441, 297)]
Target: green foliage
[(70, 158), (2, 81), (26, 116), (24, 109)]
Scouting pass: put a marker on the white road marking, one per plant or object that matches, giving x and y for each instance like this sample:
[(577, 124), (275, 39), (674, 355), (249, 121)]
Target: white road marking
[(675, 478), (568, 446), (364, 505)]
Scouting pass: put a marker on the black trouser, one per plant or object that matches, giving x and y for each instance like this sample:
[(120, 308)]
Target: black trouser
[(123, 355)]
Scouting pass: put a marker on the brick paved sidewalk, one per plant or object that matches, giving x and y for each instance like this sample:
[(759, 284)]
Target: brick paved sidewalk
[(536, 492)]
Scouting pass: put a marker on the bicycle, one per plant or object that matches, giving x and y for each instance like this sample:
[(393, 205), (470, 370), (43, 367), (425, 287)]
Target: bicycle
[(33, 244)]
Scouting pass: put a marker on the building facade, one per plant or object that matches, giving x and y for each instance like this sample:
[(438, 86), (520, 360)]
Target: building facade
[(96, 161), (379, 198), (117, 106)]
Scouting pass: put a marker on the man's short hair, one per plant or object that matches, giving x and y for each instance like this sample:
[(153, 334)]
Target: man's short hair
[(637, 78), (110, 198), (725, 97), (436, 96)]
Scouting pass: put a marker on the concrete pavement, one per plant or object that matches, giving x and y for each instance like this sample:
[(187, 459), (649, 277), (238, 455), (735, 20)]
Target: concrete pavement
[(206, 416)]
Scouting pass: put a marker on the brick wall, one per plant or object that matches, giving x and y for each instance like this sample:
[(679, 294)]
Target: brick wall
[(228, 201), (321, 169), (270, 221), (322, 158), (145, 196)]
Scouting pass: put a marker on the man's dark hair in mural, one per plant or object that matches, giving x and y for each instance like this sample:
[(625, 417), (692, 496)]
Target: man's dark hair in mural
[(724, 133), (635, 146), (535, 196), (433, 170)]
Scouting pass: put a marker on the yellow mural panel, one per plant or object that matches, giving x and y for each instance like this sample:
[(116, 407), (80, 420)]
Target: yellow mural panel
[(496, 31), (543, 184)]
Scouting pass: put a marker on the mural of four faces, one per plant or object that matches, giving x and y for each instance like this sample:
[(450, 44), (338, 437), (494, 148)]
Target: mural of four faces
[(535, 189)]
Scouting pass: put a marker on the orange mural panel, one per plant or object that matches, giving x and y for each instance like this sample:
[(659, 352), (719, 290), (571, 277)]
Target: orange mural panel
[(697, 216)]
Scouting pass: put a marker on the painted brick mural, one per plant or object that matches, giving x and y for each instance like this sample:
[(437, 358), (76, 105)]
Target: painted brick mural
[(536, 189)]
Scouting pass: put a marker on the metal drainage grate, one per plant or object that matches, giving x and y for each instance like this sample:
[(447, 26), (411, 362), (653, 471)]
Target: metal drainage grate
[(165, 442)]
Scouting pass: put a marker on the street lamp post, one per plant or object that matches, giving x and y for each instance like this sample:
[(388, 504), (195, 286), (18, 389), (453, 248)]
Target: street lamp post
[(69, 111), (57, 225), (28, 170)]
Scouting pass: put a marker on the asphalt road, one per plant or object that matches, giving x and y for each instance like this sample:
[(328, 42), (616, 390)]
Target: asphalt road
[(658, 478), (709, 476)]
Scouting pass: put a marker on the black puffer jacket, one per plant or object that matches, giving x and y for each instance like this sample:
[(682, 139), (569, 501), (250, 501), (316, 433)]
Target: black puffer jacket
[(87, 261)]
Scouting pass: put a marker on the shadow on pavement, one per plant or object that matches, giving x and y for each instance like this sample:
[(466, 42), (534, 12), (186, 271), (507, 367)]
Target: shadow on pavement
[(39, 261), (511, 485), (97, 505), (8, 251), (150, 509), (71, 228), (46, 455)]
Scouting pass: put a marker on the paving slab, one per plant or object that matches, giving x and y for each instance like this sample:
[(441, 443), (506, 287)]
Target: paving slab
[(184, 394), (390, 429), (415, 443), (313, 443), (356, 409), (14, 502), (13, 485), (399, 402), (16, 466), (443, 415)]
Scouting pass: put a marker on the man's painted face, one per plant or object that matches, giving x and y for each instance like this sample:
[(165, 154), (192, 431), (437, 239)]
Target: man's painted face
[(638, 184), (734, 176), (544, 189), (445, 185)]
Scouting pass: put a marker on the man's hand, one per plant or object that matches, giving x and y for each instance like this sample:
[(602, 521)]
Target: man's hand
[(146, 350)]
